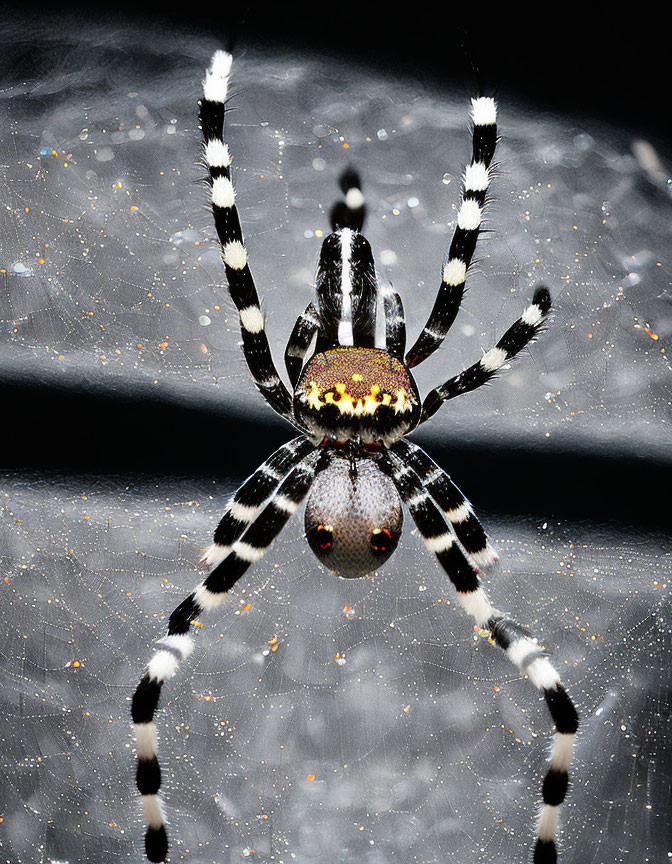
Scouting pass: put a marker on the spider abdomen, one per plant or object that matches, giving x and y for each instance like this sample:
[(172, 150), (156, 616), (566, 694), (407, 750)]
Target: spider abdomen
[(354, 392), (353, 517)]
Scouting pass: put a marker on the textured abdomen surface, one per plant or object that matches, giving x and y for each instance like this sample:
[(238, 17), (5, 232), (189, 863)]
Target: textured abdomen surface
[(353, 519)]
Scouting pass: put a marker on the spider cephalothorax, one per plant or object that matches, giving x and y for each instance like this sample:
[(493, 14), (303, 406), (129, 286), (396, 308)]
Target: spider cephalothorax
[(353, 404), (357, 392)]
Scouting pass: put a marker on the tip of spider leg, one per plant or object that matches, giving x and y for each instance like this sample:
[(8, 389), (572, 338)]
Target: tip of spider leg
[(221, 63), (349, 179), (483, 111), (542, 299)]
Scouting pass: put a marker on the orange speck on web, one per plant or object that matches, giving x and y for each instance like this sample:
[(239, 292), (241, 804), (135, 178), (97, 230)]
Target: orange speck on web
[(654, 336), (163, 345), (590, 335), (310, 777), (243, 609), (133, 207), (75, 664), (204, 348), (346, 146), (113, 824), (273, 643), (197, 624), (496, 688)]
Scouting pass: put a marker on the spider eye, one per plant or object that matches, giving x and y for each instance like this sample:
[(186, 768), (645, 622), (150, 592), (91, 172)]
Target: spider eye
[(381, 539)]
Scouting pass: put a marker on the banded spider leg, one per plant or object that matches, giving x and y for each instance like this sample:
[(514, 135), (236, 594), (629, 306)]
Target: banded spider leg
[(520, 647), (248, 528)]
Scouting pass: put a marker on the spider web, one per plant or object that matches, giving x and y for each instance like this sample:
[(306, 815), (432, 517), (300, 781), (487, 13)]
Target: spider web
[(320, 719)]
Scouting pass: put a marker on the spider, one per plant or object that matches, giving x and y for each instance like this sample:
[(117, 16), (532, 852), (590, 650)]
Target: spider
[(354, 403)]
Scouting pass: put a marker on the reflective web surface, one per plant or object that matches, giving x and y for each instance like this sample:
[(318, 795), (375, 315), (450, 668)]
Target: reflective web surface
[(322, 719)]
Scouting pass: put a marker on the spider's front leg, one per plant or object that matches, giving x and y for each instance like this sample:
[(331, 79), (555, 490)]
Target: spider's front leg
[(521, 649), (250, 544), (243, 292), (395, 322), (307, 325), (517, 337), (469, 218)]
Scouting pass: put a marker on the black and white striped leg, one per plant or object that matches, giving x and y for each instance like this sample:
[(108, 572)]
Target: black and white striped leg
[(251, 496), (177, 644), (528, 655), (227, 222), (522, 649), (520, 334), (435, 531), (395, 322), (469, 218), (456, 508), (300, 338), (351, 211)]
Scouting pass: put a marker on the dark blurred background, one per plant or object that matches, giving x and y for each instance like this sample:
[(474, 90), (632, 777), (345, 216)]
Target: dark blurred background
[(564, 58), (574, 57)]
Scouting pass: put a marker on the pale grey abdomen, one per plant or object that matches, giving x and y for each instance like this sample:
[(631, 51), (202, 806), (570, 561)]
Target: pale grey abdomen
[(353, 518)]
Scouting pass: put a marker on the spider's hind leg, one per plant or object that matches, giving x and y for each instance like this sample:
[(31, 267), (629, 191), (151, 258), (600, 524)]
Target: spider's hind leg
[(251, 496), (250, 532), (520, 647), (456, 508)]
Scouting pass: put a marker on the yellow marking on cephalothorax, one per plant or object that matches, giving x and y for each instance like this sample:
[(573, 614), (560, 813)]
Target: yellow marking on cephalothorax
[(360, 405), (314, 396), (403, 403), (357, 377)]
